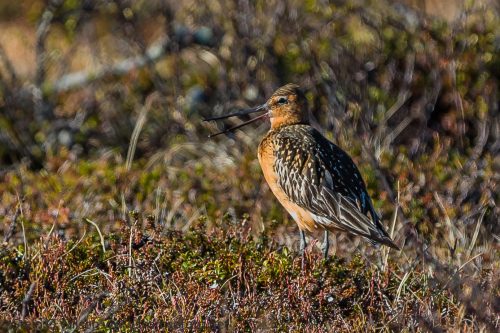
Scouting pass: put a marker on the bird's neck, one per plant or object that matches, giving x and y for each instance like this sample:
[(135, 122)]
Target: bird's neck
[(280, 122)]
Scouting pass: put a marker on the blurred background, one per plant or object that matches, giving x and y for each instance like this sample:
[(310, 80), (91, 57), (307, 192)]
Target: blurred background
[(102, 106), (408, 88)]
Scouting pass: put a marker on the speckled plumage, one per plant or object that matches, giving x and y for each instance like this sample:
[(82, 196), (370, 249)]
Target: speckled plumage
[(321, 178), (316, 181)]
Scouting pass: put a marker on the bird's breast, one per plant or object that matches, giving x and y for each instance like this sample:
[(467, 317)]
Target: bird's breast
[(267, 159)]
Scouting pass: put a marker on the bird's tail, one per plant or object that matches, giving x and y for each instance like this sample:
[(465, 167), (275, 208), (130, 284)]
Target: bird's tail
[(382, 236), (384, 240), (353, 220)]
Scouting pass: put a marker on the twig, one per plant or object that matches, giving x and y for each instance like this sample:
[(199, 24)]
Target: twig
[(111, 311), (155, 52), (380, 174), (25, 241), (391, 232), (390, 137), (27, 299), (53, 225), (41, 35), (141, 120), (130, 251), (401, 284), (157, 205), (88, 310), (398, 205), (476, 232), (402, 99), (457, 99), (100, 234), (12, 226), (452, 228), (76, 244), (124, 207), (138, 127), (95, 271), (482, 139), (459, 269), (403, 96)]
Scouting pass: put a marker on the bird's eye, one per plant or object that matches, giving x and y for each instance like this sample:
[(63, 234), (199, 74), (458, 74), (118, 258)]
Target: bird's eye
[(282, 100)]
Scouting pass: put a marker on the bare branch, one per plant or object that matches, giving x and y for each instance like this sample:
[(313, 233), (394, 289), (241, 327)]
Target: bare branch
[(40, 54), (100, 234), (155, 52), (88, 310), (12, 226), (27, 299), (41, 35), (78, 79)]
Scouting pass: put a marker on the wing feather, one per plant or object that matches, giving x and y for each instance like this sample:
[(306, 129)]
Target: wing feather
[(318, 176)]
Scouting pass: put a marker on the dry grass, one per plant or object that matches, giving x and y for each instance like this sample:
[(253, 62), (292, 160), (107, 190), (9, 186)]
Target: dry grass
[(120, 215)]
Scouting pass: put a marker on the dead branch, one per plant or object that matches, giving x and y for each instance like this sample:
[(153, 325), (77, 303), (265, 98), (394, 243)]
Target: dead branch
[(41, 35), (27, 299), (78, 79), (13, 223), (152, 54), (41, 112), (88, 310)]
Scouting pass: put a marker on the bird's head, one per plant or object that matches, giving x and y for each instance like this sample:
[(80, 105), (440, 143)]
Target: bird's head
[(286, 106)]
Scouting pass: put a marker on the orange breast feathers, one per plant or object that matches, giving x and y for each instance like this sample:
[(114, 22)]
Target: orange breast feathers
[(266, 159)]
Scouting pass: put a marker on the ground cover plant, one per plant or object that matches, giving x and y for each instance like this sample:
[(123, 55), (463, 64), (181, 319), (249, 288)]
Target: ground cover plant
[(119, 214)]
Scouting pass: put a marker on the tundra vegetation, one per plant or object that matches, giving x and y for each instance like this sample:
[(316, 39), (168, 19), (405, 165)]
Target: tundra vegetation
[(118, 214)]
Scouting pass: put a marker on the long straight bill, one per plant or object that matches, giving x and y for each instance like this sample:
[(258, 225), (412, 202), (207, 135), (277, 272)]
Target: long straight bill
[(240, 125), (240, 113)]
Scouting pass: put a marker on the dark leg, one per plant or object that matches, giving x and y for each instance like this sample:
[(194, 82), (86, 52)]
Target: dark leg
[(303, 245), (326, 245)]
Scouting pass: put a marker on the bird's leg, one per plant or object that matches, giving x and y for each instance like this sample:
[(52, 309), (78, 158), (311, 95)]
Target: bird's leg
[(303, 245), (326, 245)]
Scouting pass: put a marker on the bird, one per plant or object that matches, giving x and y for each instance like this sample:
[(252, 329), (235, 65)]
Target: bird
[(316, 181)]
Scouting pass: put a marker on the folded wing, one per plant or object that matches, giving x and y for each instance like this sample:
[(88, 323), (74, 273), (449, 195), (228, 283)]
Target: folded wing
[(320, 177)]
